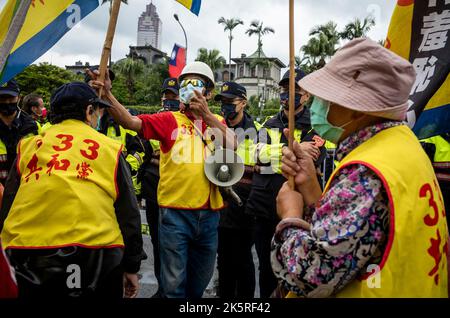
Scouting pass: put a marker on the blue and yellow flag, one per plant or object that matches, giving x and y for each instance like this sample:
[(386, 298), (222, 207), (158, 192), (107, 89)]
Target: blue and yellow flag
[(420, 32), (193, 5), (46, 22)]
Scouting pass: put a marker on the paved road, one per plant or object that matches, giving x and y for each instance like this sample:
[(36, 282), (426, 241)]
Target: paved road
[(148, 281)]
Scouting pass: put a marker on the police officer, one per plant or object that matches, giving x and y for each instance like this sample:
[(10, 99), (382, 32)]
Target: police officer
[(33, 105), (235, 260), (150, 172), (170, 100), (90, 224), (267, 180), (14, 125)]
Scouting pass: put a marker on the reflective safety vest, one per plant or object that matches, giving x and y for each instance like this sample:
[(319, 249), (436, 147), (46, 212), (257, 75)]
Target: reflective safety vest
[(414, 263), (183, 184), (441, 160), (155, 145), (272, 153), (67, 190), (3, 159), (39, 126), (45, 126), (247, 147), (134, 160)]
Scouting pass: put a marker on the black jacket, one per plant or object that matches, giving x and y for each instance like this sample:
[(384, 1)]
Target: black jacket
[(126, 208), (233, 216), (265, 187), (23, 125)]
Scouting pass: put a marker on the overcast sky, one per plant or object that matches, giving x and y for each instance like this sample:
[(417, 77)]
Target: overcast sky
[(86, 40)]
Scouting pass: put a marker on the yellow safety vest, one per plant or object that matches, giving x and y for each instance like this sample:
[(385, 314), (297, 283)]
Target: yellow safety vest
[(3, 158), (272, 153), (414, 263), (246, 148), (183, 184), (442, 153), (135, 161), (39, 126), (45, 126), (155, 145), (67, 190), (441, 160)]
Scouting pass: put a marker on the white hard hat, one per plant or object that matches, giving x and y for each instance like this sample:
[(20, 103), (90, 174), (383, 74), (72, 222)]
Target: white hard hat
[(198, 68)]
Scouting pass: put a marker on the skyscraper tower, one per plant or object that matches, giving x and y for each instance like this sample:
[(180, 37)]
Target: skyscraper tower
[(149, 28)]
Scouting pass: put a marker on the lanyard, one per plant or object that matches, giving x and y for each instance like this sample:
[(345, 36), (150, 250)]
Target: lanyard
[(201, 136)]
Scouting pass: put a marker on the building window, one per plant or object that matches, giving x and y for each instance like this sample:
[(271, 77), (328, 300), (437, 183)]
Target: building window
[(225, 76), (241, 71), (254, 72)]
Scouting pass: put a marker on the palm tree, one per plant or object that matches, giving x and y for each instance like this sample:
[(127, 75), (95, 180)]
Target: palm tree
[(358, 28), (328, 36), (321, 45), (130, 69), (212, 58), (257, 27), (229, 25)]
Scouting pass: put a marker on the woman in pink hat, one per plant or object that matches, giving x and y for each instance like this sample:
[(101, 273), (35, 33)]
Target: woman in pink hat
[(379, 228)]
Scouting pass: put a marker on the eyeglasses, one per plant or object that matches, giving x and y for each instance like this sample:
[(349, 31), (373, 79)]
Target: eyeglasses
[(193, 82)]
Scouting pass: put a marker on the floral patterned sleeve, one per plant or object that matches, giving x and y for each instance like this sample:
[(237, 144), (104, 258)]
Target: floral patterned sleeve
[(348, 229)]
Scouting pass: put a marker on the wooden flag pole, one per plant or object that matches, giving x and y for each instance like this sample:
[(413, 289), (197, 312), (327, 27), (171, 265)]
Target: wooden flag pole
[(291, 84), (13, 32), (109, 42)]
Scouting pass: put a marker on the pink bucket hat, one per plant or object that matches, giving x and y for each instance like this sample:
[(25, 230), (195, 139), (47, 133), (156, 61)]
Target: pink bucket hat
[(365, 77)]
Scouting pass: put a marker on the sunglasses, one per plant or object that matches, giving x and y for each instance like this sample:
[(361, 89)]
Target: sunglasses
[(193, 82)]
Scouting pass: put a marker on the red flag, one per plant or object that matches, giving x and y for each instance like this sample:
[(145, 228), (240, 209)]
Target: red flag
[(177, 61)]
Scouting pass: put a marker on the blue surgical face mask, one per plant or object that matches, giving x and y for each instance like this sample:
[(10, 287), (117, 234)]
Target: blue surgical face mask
[(171, 105), (229, 111), (187, 93), (320, 123), (284, 98)]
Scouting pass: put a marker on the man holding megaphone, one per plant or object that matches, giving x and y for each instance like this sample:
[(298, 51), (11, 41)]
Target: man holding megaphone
[(188, 200)]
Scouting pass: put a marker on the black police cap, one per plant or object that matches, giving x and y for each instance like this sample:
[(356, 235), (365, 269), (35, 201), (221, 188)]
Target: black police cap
[(299, 74), (231, 90), (10, 88), (171, 84)]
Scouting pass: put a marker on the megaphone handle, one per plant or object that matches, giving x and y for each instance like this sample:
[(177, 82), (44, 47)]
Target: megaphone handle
[(233, 195)]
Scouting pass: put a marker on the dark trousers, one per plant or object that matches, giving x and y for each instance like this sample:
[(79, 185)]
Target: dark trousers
[(235, 263), (70, 272), (264, 230), (152, 214), (150, 193)]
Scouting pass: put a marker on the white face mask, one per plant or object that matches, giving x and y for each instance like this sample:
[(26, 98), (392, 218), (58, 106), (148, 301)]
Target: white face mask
[(187, 93)]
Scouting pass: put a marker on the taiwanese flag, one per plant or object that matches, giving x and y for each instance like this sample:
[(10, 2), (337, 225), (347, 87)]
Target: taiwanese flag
[(177, 61)]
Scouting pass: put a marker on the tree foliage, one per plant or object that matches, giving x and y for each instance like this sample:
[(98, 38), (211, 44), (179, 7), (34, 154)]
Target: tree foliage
[(212, 58), (44, 79)]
